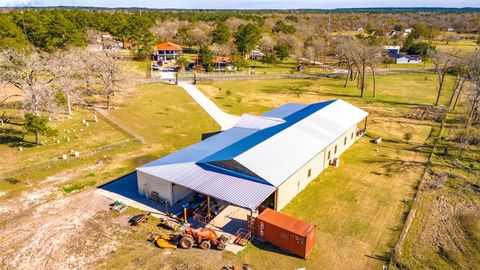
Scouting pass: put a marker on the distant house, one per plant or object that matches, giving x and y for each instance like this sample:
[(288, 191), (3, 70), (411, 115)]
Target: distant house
[(391, 50), (221, 62), (166, 51), (257, 55), (408, 30), (408, 59)]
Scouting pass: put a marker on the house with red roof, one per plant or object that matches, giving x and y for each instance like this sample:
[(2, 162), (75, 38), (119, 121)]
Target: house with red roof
[(166, 51)]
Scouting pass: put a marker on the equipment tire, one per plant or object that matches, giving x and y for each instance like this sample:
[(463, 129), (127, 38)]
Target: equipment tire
[(205, 244), (186, 242)]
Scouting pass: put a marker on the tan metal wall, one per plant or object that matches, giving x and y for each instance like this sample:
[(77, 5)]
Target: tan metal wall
[(299, 180), (148, 183)]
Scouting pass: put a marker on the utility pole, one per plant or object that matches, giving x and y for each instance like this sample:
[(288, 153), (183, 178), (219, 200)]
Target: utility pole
[(430, 37), (329, 21)]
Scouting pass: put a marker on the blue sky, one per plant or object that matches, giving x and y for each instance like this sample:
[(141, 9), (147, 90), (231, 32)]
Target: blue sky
[(245, 4)]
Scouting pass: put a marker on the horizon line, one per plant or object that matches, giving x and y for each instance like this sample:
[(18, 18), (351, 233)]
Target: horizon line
[(246, 9)]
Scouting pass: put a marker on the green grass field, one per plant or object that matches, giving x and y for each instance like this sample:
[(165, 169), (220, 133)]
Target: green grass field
[(395, 91), (165, 115), (464, 46)]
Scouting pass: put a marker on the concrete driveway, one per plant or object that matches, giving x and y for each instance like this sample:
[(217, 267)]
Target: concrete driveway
[(224, 119)]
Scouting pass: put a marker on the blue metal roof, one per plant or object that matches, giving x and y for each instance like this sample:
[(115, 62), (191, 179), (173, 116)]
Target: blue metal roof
[(204, 148), (237, 148), (285, 110)]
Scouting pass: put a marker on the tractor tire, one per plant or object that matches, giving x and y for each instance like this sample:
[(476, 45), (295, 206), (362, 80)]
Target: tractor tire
[(205, 244), (186, 242)]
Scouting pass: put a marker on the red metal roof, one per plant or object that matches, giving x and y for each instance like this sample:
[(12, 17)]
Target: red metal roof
[(218, 59), (168, 46), (286, 222)]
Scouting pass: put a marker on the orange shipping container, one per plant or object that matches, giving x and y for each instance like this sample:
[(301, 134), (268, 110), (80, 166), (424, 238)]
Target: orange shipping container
[(286, 232)]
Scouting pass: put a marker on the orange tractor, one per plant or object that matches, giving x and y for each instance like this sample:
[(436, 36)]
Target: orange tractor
[(204, 238)]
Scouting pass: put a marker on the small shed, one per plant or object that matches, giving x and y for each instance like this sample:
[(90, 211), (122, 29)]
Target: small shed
[(284, 231)]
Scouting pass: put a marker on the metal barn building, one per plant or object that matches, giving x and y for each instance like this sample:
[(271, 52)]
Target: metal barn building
[(263, 160)]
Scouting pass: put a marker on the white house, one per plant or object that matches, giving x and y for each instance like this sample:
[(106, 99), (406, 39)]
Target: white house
[(256, 55), (263, 160), (408, 59), (166, 51)]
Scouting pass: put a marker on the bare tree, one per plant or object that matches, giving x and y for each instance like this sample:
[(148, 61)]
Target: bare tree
[(461, 77), (88, 68), (165, 30), (361, 57), (309, 53), (267, 44), (319, 48), (374, 57), (30, 74), (201, 33), (443, 62), (472, 69), (111, 76), (65, 70), (346, 57)]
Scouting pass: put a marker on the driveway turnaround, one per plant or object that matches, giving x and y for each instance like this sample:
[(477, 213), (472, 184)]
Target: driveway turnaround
[(224, 119)]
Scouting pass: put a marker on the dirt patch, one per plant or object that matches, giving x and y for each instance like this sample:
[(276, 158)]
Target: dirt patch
[(451, 232), (67, 233), (426, 112)]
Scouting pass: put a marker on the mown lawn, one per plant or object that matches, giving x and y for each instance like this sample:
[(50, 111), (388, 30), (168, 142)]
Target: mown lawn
[(165, 115), (35, 162), (393, 91), (464, 46)]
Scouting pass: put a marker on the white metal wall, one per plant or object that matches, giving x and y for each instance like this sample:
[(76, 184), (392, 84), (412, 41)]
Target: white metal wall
[(148, 183)]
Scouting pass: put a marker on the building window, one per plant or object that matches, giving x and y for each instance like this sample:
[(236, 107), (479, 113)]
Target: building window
[(335, 150), (309, 172), (351, 137), (345, 141), (328, 155)]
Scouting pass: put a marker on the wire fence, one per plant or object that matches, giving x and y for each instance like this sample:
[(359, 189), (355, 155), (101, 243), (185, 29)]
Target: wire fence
[(119, 125), (240, 77), (49, 163)]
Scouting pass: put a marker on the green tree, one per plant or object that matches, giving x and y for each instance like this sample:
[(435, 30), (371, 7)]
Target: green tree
[(183, 61), (420, 48), (282, 51), (221, 34), (206, 57), (240, 62), (37, 125), (247, 37), (270, 58), (61, 32), (139, 31), (11, 36), (281, 27)]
